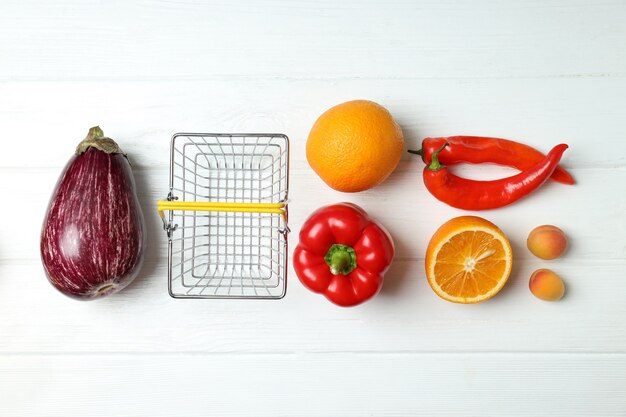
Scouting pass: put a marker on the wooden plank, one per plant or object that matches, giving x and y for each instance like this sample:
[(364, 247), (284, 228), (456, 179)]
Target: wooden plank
[(402, 204), (150, 39), (314, 385), (41, 123), (406, 317)]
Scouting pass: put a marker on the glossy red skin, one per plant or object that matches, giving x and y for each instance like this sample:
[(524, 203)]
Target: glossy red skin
[(93, 233), (478, 149), (349, 225), (469, 194)]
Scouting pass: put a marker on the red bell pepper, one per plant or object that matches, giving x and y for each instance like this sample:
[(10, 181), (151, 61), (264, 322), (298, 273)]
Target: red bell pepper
[(343, 254)]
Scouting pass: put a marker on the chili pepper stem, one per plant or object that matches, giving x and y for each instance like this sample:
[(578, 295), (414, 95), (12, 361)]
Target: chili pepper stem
[(341, 259), (435, 165), (419, 152)]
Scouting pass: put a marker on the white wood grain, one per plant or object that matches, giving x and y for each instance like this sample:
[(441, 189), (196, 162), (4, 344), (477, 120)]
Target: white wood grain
[(406, 317), (314, 385), (541, 71), (53, 117), (412, 216), (77, 39)]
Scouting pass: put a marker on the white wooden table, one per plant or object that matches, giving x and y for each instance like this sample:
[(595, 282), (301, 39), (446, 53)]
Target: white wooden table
[(541, 71)]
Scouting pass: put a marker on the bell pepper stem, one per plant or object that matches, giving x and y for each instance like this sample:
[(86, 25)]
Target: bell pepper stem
[(341, 259), (435, 165)]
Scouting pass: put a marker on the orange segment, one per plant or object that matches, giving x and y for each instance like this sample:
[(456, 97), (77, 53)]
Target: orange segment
[(468, 260)]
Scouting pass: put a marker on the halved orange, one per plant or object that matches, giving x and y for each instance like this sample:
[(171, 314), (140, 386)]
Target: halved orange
[(468, 260)]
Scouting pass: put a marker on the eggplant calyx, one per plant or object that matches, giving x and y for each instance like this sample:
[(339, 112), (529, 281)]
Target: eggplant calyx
[(96, 139)]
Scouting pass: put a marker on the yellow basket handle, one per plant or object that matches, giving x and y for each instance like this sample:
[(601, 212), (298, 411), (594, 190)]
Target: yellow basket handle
[(272, 208)]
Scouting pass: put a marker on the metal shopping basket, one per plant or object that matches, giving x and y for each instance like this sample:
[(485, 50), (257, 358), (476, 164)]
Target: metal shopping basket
[(226, 215)]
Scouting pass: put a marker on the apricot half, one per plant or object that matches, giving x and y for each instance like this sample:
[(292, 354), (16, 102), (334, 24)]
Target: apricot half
[(547, 242), (546, 285)]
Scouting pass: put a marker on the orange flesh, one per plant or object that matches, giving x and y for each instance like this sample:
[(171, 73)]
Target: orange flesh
[(470, 264)]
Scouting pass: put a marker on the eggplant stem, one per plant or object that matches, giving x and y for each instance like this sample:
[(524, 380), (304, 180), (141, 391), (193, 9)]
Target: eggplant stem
[(96, 139)]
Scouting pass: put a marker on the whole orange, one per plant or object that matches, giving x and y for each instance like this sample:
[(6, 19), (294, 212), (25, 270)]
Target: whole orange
[(355, 145)]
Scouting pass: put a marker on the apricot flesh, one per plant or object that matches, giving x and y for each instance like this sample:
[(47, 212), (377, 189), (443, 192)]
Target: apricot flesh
[(546, 285), (547, 242)]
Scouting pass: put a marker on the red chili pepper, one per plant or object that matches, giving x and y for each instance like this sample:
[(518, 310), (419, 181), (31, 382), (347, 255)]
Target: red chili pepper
[(343, 254), (484, 195), (477, 149)]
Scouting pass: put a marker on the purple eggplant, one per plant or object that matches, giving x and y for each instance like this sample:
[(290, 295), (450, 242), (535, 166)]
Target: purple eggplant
[(93, 236)]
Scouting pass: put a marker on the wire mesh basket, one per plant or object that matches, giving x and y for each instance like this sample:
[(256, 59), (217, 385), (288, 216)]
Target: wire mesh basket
[(227, 215)]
